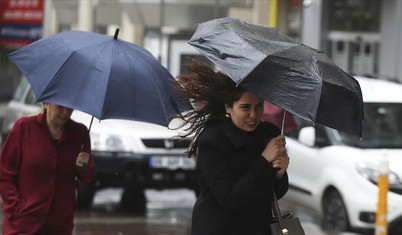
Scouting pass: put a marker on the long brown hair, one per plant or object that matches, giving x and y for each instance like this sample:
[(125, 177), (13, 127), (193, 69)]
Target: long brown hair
[(214, 89)]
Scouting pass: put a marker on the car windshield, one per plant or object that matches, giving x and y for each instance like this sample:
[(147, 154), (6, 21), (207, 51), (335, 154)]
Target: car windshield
[(382, 127), (21, 89)]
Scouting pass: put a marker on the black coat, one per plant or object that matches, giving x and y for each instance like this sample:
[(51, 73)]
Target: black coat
[(235, 181)]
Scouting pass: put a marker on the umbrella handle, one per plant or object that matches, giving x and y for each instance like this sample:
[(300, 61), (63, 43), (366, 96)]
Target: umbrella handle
[(84, 147), (81, 169)]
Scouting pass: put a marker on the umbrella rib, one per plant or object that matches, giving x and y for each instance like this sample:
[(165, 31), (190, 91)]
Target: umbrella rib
[(108, 78), (154, 81), (52, 81), (96, 58)]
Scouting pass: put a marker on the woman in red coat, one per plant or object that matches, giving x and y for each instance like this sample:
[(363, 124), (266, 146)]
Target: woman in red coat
[(38, 172)]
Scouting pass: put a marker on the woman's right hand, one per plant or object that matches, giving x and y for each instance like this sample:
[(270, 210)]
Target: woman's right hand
[(274, 148)]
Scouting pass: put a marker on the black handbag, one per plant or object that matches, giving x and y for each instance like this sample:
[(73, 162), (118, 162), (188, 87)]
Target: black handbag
[(285, 224)]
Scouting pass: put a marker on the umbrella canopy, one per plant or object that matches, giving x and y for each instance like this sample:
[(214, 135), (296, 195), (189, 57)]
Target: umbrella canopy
[(100, 75), (293, 76)]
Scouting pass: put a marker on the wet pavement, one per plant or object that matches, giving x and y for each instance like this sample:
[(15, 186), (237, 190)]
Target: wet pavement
[(168, 213)]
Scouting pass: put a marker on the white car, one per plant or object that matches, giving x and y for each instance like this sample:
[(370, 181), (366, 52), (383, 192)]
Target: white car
[(128, 154), (334, 174)]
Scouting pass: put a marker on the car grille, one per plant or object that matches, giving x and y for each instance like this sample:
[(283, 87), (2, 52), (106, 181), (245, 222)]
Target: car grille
[(167, 143)]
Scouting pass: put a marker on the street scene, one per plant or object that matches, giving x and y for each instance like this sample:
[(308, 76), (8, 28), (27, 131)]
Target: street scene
[(201, 117), (168, 212)]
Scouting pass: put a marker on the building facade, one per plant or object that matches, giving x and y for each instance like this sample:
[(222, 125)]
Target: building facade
[(362, 37)]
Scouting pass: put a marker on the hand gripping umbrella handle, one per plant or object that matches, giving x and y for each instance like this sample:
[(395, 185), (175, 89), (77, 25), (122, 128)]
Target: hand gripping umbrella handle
[(81, 169), (84, 147)]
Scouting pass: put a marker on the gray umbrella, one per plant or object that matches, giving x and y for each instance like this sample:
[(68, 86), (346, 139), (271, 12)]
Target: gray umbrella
[(293, 76)]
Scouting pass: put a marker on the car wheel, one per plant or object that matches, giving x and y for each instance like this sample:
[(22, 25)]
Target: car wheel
[(335, 214), (86, 193), (133, 199)]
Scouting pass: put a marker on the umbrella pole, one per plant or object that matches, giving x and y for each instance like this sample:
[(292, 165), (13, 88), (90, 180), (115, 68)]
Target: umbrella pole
[(283, 122), (90, 125), (84, 148)]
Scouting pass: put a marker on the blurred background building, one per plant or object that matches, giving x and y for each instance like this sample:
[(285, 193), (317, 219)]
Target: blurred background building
[(363, 37)]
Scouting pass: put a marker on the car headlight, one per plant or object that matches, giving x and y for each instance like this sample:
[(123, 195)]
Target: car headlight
[(371, 174), (104, 142)]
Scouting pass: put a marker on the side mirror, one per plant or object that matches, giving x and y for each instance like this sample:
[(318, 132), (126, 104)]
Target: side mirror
[(307, 136)]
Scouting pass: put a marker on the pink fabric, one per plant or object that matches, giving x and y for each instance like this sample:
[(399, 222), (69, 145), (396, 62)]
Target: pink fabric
[(37, 179), (274, 114)]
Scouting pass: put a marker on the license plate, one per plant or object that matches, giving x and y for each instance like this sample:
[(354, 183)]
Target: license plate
[(172, 162)]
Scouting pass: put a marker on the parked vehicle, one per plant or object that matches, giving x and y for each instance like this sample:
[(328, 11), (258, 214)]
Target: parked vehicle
[(334, 174), (128, 154)]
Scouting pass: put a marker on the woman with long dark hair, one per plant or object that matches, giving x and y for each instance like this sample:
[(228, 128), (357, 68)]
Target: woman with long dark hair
[(239, 158)]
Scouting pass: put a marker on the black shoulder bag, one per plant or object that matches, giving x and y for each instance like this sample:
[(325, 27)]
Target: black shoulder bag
[(285, 224)]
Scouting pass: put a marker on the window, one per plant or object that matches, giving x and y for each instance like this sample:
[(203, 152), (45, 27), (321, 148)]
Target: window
[(21, 89), (382, 127), (354, 15), (31, 99)]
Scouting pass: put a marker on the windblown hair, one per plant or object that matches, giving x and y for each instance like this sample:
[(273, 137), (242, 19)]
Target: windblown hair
[(204, 86)]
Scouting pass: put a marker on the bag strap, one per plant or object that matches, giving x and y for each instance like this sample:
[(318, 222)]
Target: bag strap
[(276, 205), (278, 212)]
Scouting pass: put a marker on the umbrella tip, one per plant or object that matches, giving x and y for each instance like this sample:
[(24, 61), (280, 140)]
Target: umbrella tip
[(116, 33)]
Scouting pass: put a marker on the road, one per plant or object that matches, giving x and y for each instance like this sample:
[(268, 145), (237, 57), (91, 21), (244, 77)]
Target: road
[(168, 213)]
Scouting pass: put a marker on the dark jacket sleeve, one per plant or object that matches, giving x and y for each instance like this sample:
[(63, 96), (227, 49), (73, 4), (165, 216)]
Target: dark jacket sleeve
[(10, 158), (231, 192), (281, 185)]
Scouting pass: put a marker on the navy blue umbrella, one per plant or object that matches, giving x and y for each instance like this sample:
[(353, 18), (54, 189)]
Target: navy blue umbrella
[(100, 75)]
